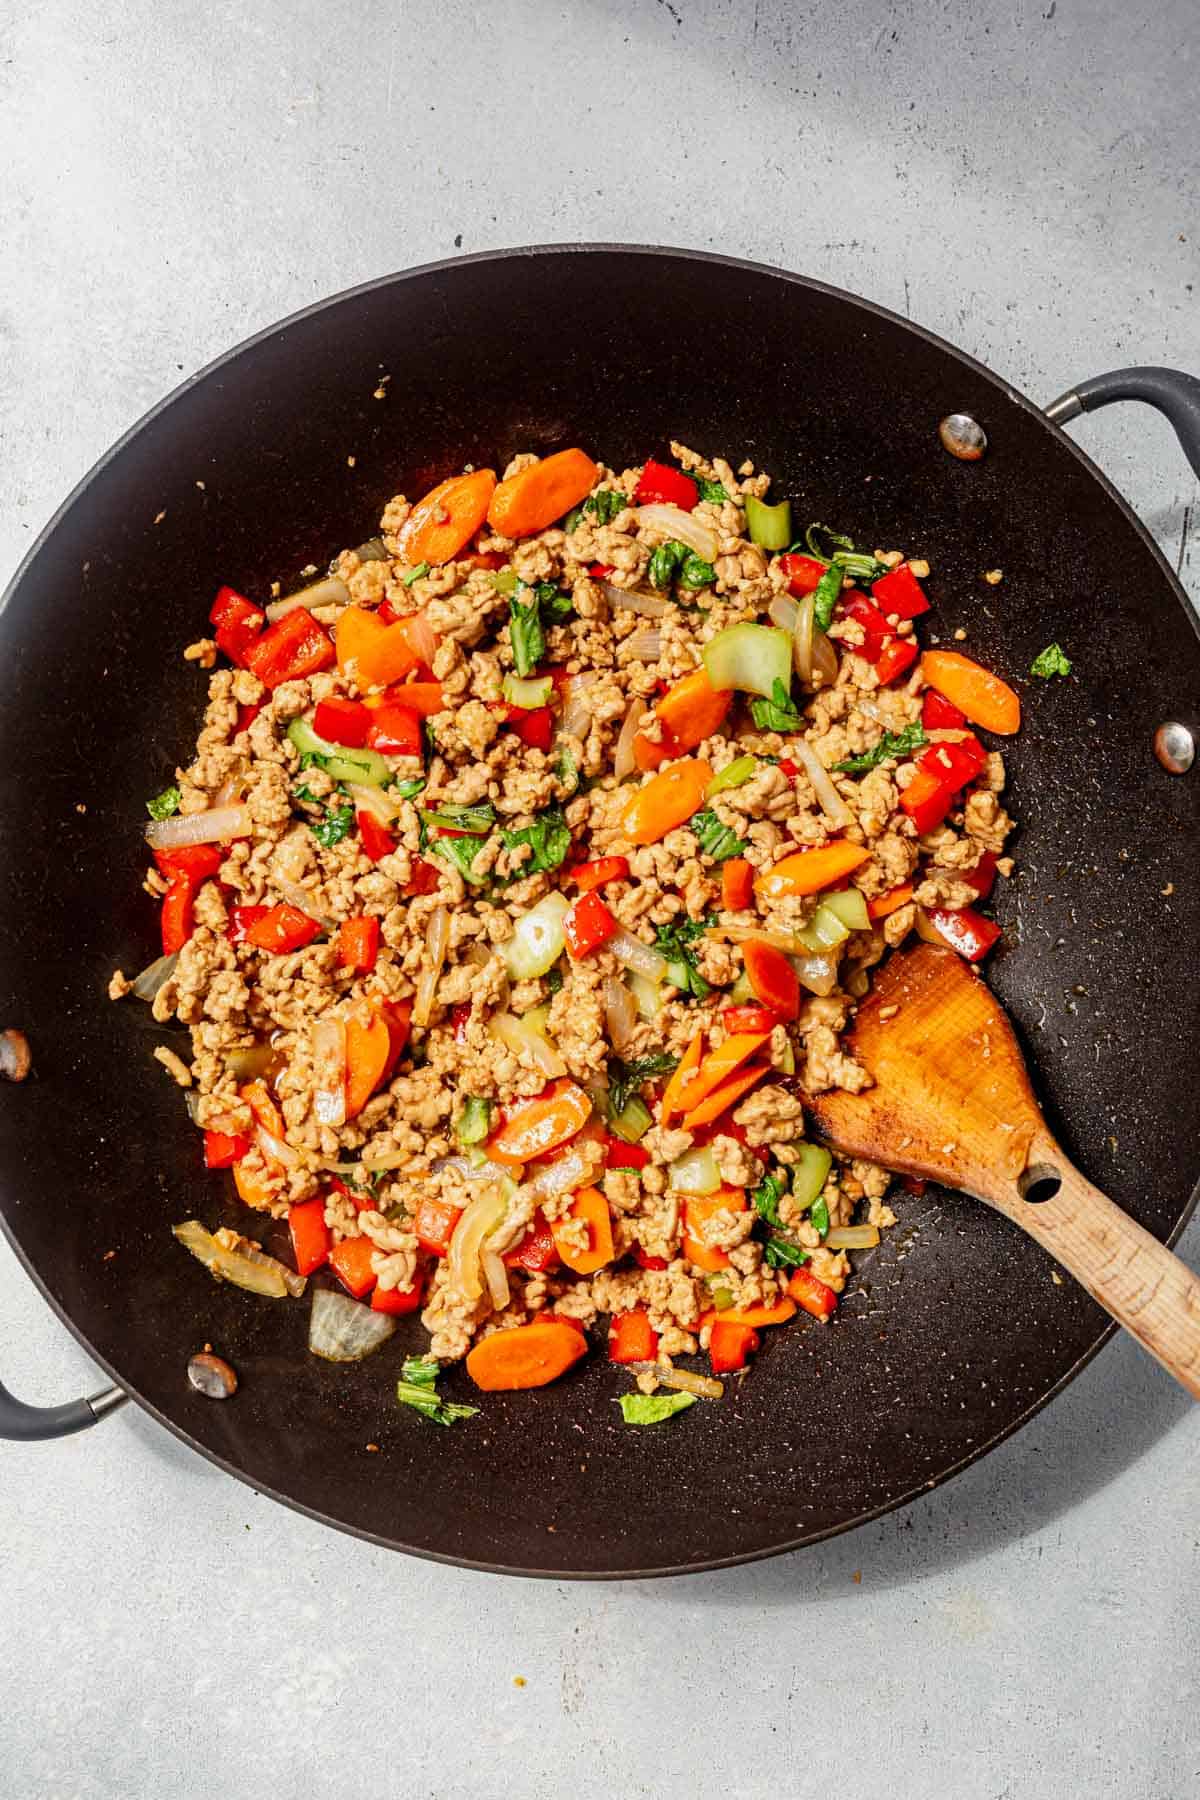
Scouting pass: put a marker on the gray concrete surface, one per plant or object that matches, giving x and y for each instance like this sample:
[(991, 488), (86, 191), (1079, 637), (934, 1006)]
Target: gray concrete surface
[(1021, 177)]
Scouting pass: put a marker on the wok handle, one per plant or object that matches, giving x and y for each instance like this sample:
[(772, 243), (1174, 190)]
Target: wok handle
[(32, 1424), (1175, 394)]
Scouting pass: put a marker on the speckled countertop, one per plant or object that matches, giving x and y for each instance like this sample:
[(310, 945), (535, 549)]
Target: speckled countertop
[(1022, 178)]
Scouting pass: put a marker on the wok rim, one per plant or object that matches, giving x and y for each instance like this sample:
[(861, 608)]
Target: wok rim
[(531, 251)]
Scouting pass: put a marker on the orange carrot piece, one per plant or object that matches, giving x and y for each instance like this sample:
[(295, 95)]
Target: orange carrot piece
[(447, 518), (718, 1066), (589, 1205), (772, 977), (985, 699), (667, 801), (690, 1059), (890, 902), (422, 697), (535, 1127), (535, 497), (368, 1044), (528, 1356), (257, 1096), (690, 711), (379, 653), (697, 1210), (723, 1097), (737, 885), (810, 871), (778, 1314)]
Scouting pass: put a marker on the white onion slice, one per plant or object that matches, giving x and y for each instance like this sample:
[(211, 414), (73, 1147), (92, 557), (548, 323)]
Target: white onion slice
[(215, 826), (527, 1043), (740, 933), (437, 940), (265, 1277), (645, 645), (673, 522), (646, 606), (380, 805), (274, 1149), (483, 1170), (620, 1012), (782, 611), (230, 789), (623, 760), (155, 976), (818, 972), (852, 1237), (576, 715), (421, 637), (496, 1276), (329, 1066), (831, 802), (344, 1330), (302, 900), (631, 953), (480, 1216), (707, 1386), (237, 1245), (561, 1176), (330, 592)]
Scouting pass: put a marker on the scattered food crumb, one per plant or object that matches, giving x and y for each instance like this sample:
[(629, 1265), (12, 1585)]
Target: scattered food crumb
[(108, 1256), (519, 1681), (350, 461), (15, 1060), (1112, 1144), (203, 651), (919, 567), (1165, 892), (119, 985), (1056, 1278), (201, 486), (856, 1578), (381, 391), (960, 635), (80, 807), (159, 517), (275, 590), (888, 1012), (372, 1447), (174, 1065), (308, 569), (993, 577)]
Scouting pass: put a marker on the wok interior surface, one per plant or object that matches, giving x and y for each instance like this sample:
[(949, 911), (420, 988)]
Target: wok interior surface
[(953, 1330)]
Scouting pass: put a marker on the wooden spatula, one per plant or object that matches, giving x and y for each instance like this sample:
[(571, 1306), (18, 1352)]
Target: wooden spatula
[(952, 1102)]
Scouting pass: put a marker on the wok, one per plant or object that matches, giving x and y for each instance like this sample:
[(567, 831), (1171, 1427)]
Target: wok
[(954, 1332)]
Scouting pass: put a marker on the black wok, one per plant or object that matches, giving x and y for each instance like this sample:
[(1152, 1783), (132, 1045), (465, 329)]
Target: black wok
[(954, 1333)]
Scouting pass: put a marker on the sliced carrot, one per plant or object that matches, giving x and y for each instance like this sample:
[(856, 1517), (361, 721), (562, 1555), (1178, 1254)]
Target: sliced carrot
[(368, 1045), (690, 711), (669, 1105), (447, 518), (535, 1127), (772, 977), (538, 495), (697, 1210), (529, 1356), (985, 699), (725, 1096), (719, 1065), (737, 884), (257, 1096), (379, 653), (589, 1205), (810, 871), (778, 1314), (667, 801), (422, 697), (890, 902)]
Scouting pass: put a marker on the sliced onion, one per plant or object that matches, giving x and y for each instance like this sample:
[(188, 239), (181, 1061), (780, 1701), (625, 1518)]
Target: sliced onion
[(483, 1170), (380, 805), (562, 1175), (420, 636), (374, 550), (738, 933), (496, 1276), (646, 606), (249, 1064), (274, 1148), (631, 953), (230, 789), (215, 826), (620, 1012), (696, 1172), (343, 1330), (437, 940), (852, 1237), (527, 1043), (330, 592), (817, 972), (831, 802), (645, 645), (673, 522), (623, 761), (481, 1216), (155, 976), (824, 661), (241, 1246), (302, 900), (191, 1100), (576, 718), (381, 1160), (707, 1386), (782, 611), (329, 1062), (262, 1275)]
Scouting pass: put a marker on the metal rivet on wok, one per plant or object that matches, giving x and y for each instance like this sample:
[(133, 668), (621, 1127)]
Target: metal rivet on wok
[(212, 1376), (1175, 747), (962, 437)]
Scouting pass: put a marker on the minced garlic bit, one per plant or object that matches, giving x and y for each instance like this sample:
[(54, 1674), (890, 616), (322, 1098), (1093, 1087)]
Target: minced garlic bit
[(993, 577), (960, 635), (919, 568)]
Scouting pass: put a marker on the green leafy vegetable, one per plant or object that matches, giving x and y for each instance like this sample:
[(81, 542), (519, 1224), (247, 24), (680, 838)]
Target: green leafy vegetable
[(835, 540), (781, 1253), (415, 574), (462, 853), (549, 838), (605, 505), (696, 573), (567, 770), (554, 981), (666, 561), (826, 595), (820, 1215), (712, 491), (555, 608), (477, 819), (525, 633), (768, 526), (778, 713), (892, 743), (334, 827), (164, 804), (766, 1198), (841, 552), (652, 1409), (715, 839), (1053, 660), (418, 1389), (408, 790), (625, 1078), (475, 1120), (506, 581), (675, 942), (306, 796)]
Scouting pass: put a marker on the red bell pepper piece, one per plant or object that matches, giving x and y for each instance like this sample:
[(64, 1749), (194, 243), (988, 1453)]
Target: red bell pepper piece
[(358, 944), (589, 875), (588, 925), (351, 1262), (966, 931), (241, 918), (238, 624), (422, 697), (397, 1016), (376, 840), (953, 764), (788, 767), (926, 800), (343, 722), (750, 1018), (661, 485), (876, 630), (434, 1224), (645, 1261), (896, 656), (537, 1250), (730, 1345), (191, 862), (359, 1201), (803, 573), (246, 716), (620, 1155), (423, 880), (223, 1148), (900, 592), (983, 876), (283, 928), (399, 1300), (534, 726), (291, 648), (393, 729), (737, 884), (632, 1338), (177, 919), (940, 714), (813, 1295), (600, 571), (459, 1019), (312, 1239)]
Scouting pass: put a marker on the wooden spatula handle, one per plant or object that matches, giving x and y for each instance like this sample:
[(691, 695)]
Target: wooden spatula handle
[(1134, 1277)]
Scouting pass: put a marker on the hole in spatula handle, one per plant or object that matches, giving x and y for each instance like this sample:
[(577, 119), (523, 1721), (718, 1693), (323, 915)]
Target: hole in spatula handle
[(1038, 1183)]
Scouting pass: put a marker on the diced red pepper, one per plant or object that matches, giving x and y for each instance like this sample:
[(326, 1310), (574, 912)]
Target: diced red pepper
[(223, 1148), (803, 573), (895, 657), (632, 1338), (423, 697), (983, 876), (376, 840), (966, 931), (293, 647), (459, 1018), (589, 875), (588, 925), (397, 1016), (246, 716), (282, 929), (177, 917), (358, 944), (190, 862), (813, 1295), (393, 729), (876, 630), (737, 884), (600, 571), (750, 1018), (241, 918), (953, 764), (423, 880), (399, 1300), (926, 800), (351, 1262), (343, 722), (537, 1250), (661, 485), (434, 1224), (645, 1261), (359, 1201), (533, 725), (788, 767), (620, 1155), (900, 592), (312, 1239), (940, 714), (730, 1345), (238, 624)]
